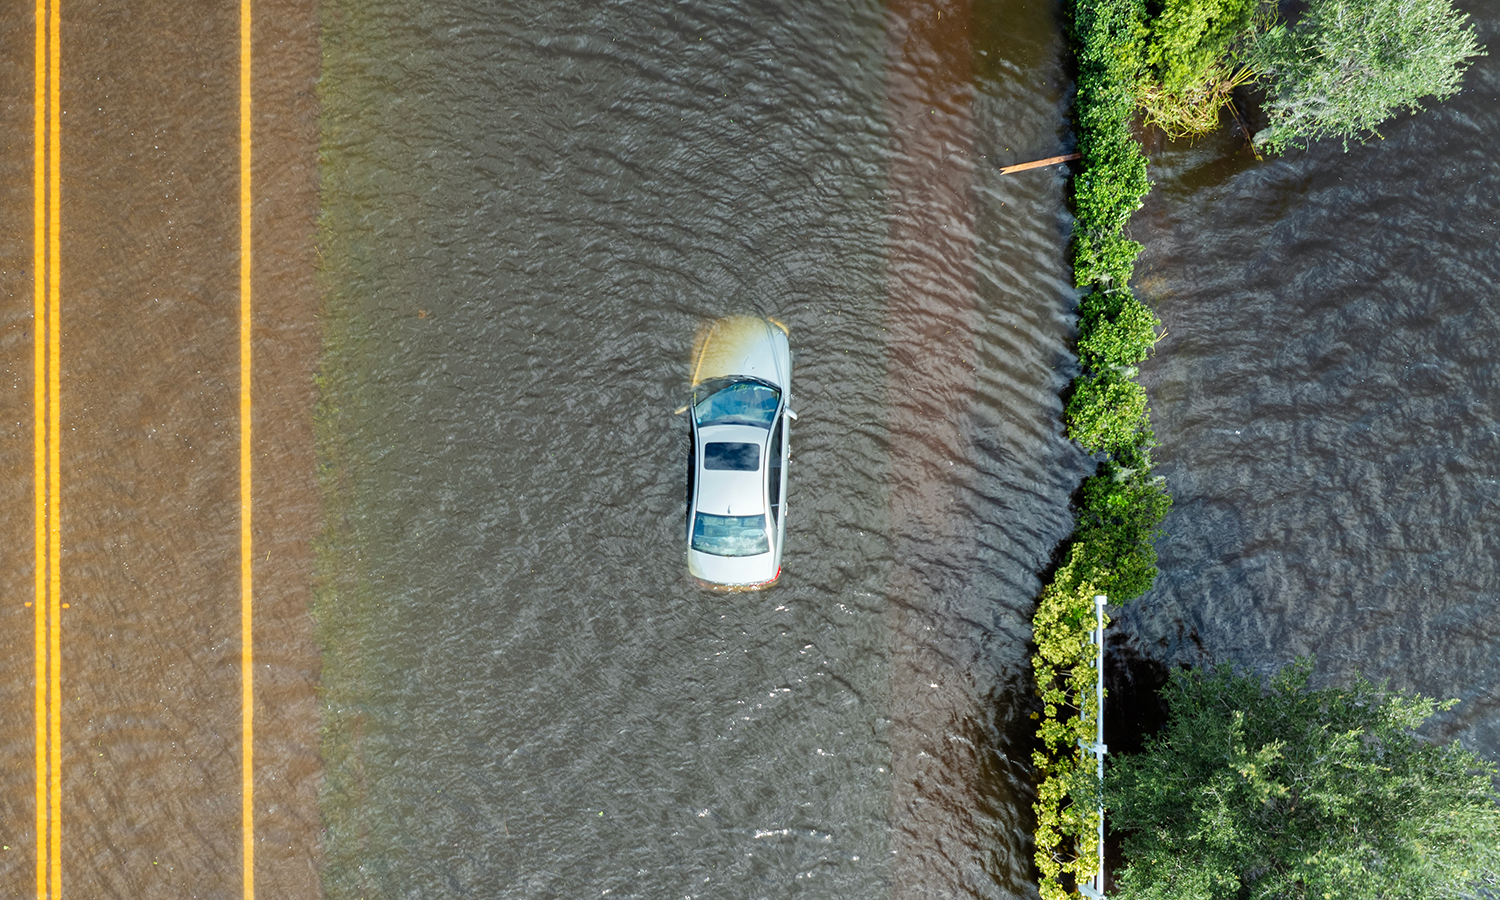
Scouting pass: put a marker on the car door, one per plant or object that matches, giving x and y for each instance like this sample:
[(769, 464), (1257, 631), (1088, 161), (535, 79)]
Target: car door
[(776, 476)]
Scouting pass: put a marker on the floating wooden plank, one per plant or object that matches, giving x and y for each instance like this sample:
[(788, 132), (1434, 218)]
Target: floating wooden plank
[(1039, 163)]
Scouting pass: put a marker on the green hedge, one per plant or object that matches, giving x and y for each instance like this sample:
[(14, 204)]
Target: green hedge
[(1121, 507), (1067, 808)]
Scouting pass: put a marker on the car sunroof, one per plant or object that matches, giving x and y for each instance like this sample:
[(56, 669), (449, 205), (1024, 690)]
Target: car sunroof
[(733, 456)]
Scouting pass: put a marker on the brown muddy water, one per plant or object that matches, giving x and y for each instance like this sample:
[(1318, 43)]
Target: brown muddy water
[(491, 232), (148, 803), (529, 211)]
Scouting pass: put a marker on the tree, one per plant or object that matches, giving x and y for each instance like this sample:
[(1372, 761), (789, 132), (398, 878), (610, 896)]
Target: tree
[(1189, 70), (1347, 65), (1287, 792)]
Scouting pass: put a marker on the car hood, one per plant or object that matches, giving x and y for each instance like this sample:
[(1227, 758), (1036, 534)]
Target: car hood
[(743, 346)]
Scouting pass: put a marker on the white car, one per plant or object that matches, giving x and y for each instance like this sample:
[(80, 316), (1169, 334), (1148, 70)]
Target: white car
[(740, 411)]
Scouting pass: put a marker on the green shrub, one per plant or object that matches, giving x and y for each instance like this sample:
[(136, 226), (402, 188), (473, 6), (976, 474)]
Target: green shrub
[(1113, 178), (1104, 198), (1106, 35), (1189, 71), (1067, 808), (1119, 520), (1348, 65), (1103, 260), (1188, 38), (1115, 330), (1120, 512), (1107, 413)]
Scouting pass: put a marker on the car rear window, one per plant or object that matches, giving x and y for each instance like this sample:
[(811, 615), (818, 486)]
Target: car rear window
[(731, 456), (730, 535)]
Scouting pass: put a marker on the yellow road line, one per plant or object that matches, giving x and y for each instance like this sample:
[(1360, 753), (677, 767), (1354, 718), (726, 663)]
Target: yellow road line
[(54, 434), (247, 657), (46, 443), (39, 432)]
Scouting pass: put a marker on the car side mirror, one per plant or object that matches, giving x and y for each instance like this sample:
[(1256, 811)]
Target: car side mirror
[(790, 414), (680, 410)]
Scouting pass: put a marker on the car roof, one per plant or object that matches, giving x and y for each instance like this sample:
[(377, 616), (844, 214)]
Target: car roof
[(726, 492)]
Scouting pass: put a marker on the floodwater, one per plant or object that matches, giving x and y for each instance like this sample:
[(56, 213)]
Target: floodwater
[(487, 235), (526, 219), (1328, 403), (141, 794)]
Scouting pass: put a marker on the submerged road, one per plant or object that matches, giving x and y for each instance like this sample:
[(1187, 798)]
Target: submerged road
[(525, 212), (932, 307), (156, 664)]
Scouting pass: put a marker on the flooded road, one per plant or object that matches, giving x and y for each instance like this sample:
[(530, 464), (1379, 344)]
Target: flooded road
[(484, 239), (526, 694), (121, 666)]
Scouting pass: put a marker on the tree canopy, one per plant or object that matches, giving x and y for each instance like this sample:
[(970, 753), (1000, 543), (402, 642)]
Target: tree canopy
[(1339, 70), (1348, 65), (1288, 792)]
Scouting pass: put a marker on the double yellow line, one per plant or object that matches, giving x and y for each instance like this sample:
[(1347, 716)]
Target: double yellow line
[(47, 437), (47, 434)]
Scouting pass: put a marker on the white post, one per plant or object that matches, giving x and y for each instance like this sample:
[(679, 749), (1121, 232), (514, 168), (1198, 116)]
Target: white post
[(1095, 890), (1099, 601)]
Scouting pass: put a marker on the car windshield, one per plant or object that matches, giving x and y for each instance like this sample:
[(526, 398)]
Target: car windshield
[(730, 535), (735, 401)]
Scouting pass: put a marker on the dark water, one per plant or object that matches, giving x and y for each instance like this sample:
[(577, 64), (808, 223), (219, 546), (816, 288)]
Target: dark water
[(1328, 400)]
